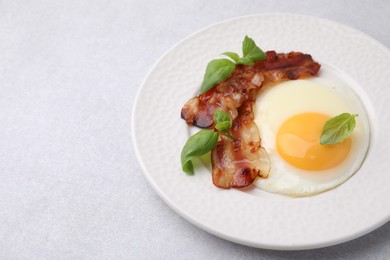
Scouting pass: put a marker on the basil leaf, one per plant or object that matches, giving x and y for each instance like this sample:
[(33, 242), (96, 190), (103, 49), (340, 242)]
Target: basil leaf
[(216, 71), (338, 128), (221, 116), (251, 52), (248, 45), (199, 144), (222, 120), (234, 56), (245, 61), (223, 126)]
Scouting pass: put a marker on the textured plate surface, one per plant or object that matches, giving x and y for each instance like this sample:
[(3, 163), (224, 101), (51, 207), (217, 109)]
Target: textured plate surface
[(355, 208)]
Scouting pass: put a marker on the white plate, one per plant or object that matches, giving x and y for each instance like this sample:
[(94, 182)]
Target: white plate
[(255, 218)]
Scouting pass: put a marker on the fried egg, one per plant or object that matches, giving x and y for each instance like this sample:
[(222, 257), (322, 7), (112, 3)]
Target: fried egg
[(290, 117)]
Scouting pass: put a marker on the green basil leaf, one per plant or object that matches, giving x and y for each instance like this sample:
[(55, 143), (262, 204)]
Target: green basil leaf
[(199, 144), (245, 61), (248, 45), (251, 52), (222, 120), (221, 116), (223, 126), (216, 71), (338, 128), (234, 56)]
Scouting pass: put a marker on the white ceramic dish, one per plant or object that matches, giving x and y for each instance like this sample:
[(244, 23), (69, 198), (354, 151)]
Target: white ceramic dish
[(250, 216)]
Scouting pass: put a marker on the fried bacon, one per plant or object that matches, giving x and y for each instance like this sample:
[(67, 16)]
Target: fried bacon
[(236, 163), (244, 83)]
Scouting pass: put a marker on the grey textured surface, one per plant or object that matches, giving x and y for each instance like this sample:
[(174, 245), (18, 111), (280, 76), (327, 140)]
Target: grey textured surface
[(71, 187)]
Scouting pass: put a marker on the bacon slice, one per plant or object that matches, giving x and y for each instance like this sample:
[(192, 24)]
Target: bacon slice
[(236, 163), (244, 83)]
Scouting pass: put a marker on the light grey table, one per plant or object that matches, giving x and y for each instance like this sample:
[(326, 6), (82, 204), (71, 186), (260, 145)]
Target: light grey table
[(70, 186)]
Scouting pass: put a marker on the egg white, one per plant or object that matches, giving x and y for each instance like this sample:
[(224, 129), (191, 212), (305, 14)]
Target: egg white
[(275, 104)]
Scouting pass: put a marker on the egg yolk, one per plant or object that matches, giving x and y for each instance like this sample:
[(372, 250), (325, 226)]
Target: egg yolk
[(298, 142)]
